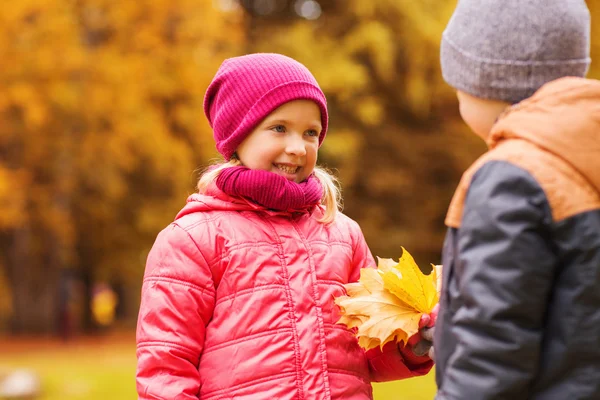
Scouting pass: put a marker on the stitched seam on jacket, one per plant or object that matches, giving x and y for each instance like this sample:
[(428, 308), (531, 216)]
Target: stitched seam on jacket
[(243, 245), (332, 243), (245, 339), (197, 247), (253, 382), (237, 247), (354, 243), (292, 312), (348, 233), (162, 343), (245, 292), (267, 244), (211, 264), (315, 293), (208, 265), (204, 220), (177, 281)]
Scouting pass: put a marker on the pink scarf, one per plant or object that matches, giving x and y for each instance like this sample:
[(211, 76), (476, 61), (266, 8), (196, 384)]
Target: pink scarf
[(269, 189)]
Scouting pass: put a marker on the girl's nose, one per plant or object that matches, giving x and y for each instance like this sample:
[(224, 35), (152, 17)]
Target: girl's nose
[(295, 145)]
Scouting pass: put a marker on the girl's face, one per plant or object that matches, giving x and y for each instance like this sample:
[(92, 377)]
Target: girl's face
[(285, 142)]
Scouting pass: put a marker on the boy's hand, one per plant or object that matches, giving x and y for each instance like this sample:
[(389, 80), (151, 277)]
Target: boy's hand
[(421, 343)]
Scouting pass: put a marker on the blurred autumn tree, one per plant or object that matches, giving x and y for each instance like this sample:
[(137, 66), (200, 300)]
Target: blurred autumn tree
[(102, 129), (100, 132)]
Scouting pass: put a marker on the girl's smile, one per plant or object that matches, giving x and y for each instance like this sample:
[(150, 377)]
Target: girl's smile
[(289, 171)]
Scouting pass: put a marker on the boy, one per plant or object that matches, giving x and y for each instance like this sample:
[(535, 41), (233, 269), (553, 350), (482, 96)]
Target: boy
[(520, 308)]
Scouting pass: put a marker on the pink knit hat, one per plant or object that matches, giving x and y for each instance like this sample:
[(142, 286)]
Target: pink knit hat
[(247, 89)]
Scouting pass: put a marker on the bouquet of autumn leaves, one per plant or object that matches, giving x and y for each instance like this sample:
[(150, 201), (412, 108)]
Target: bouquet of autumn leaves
[(387, 302)]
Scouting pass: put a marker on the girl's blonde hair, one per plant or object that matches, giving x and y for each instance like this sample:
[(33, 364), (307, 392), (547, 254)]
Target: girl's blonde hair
[(331, 200)]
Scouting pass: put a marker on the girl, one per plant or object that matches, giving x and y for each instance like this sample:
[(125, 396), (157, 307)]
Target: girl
[(237, 299)]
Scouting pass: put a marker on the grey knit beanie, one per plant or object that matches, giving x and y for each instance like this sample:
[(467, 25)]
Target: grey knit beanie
[(507, 49)]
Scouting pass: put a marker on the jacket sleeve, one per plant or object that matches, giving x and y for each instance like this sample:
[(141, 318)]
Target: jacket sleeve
[(394, 361), (178, 299), (504, 267)]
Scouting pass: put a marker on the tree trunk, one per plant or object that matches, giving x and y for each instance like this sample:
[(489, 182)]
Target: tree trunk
[(33, 279), (88, 322), (86, 272)]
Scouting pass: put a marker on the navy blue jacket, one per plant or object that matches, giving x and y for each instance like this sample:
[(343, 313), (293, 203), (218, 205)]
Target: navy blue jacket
[(520, 305)]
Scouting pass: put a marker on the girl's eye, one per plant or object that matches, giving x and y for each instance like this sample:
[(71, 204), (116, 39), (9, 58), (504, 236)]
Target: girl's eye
[(312, 132), (279, 128)]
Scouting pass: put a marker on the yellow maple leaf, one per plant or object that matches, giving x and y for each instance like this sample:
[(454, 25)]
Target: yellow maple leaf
[(352, 321), (410, 285), (387, 302), (385, 264), (371, 280), (379, 315), (368, 343)]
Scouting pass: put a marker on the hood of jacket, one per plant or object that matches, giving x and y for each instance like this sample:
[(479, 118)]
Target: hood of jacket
[(216, 200), (563, 118)]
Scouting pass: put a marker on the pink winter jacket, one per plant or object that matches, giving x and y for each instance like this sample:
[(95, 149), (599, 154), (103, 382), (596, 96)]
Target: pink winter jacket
[(237, 303)]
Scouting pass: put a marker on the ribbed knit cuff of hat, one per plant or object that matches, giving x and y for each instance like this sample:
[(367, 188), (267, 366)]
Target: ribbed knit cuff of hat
[(504, 80)]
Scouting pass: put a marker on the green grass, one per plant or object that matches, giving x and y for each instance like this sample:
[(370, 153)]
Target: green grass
[(98, 369), (104, 369)]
